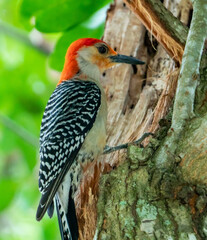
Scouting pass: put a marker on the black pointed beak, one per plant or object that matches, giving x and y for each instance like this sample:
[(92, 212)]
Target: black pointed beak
[(125, 59)]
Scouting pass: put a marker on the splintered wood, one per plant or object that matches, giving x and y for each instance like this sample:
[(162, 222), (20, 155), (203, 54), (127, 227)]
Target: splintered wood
[(138, 97), (162, 24)]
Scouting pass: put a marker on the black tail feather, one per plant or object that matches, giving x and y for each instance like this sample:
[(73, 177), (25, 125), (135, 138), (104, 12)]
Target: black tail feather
[(71, 217), (68, 223), (67, 220), (50, 209), (59, 218)]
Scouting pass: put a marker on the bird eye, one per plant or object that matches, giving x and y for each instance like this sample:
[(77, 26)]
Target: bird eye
[(102, 49)]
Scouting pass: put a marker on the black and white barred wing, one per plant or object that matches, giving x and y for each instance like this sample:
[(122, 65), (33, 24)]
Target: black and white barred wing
[(69, 115)]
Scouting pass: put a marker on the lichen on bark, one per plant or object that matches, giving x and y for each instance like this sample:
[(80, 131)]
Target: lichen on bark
[(134, 205)]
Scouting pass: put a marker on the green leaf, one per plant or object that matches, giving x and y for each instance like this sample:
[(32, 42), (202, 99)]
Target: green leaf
[(30, 7), (65, 15), (8, 189), (57, 58)]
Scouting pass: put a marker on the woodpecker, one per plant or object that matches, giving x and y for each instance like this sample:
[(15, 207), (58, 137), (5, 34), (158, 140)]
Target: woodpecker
[(73, 128)]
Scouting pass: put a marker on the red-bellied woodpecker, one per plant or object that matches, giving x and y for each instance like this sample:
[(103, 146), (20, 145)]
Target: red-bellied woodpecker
[(73, 129)]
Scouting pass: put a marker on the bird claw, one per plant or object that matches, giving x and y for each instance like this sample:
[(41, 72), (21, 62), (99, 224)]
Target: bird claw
[(108, 149)]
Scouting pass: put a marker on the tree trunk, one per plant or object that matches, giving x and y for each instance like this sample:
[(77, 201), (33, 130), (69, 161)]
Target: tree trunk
[(157, 191)]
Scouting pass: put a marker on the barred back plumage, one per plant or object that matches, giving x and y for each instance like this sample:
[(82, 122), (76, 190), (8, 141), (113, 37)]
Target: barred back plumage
[(69, 115)]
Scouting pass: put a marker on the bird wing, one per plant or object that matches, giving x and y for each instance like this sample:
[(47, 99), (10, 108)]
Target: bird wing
[(69, 115)]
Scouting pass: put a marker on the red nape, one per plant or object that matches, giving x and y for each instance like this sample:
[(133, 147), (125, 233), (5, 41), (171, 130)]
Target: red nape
[(71, 66)]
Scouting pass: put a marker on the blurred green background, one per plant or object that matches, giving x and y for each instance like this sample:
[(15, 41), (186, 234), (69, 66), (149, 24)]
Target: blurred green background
[(34, 36)]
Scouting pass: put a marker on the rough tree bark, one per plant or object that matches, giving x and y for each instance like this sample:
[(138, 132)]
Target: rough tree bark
[(157, 191)]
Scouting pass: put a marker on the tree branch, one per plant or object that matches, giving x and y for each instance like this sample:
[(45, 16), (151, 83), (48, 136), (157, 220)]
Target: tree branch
[(166, 28), (187, 83), (189, 72)]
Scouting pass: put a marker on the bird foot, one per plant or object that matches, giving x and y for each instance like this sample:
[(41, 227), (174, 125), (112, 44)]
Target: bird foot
[(109, 149)]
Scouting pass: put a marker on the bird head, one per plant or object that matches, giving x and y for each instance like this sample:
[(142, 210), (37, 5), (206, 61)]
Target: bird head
[(90, 57)]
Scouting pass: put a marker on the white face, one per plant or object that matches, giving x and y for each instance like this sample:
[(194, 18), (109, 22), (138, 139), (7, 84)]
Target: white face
[(86, 53), (86, 65)]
